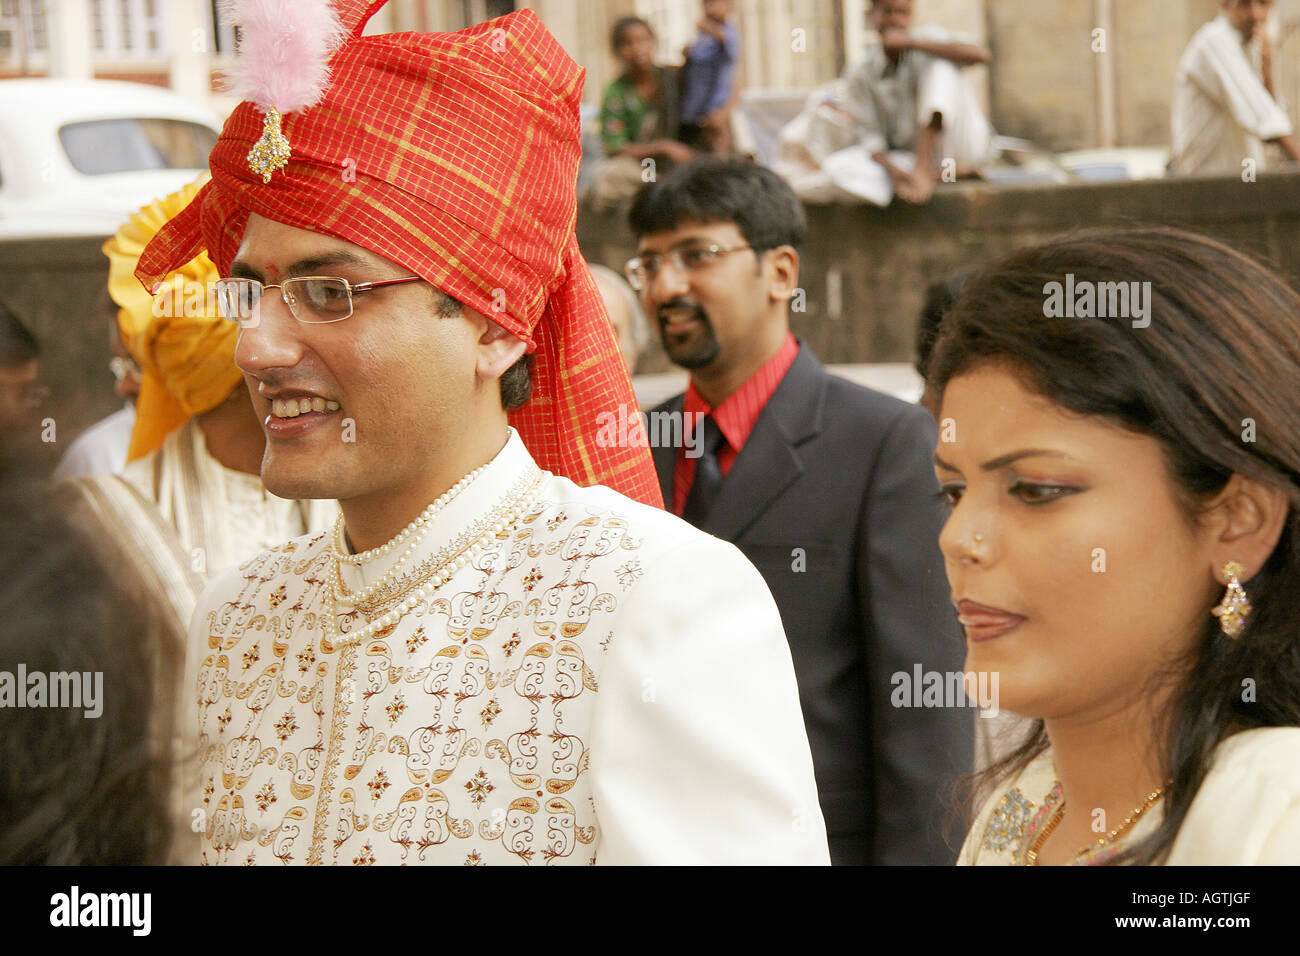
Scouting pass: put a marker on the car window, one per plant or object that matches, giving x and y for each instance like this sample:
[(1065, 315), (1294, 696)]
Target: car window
[(123, 145)]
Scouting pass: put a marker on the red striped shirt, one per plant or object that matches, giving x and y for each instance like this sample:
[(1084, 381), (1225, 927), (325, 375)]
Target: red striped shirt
[(736, 417)]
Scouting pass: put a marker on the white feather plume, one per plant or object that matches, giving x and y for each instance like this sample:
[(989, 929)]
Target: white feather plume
[(284, 51)]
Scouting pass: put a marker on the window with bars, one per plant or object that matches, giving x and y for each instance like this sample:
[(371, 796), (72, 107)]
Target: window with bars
[(153, 39), (36, 15), (128, 29), (98, 36), (23, 31)]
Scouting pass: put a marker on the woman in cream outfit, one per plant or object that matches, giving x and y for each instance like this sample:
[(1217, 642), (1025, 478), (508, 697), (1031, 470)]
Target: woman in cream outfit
[(1119, 422)]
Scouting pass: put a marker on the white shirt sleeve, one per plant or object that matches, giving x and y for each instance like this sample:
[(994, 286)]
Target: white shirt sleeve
[(699, 753), (1225, 75)]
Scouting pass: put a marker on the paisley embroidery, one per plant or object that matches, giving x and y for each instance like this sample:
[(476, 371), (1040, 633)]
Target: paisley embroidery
[(460, 735)]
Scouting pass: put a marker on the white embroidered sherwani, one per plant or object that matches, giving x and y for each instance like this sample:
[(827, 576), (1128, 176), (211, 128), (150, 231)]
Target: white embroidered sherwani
[(601, 683)]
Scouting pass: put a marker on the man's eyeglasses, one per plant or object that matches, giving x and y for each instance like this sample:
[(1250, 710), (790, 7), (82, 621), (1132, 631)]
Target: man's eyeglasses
[(312, 299), (642, 270)]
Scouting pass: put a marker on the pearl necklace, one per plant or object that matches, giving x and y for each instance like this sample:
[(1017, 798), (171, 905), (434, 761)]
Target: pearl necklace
[(432, 575), (415, 533), (420, 524)]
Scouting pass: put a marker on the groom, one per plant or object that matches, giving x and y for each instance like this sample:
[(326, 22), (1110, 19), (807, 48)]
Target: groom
[(491, 658)]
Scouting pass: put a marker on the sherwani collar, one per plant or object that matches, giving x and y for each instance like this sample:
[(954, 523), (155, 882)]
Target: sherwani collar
[(499, 478)]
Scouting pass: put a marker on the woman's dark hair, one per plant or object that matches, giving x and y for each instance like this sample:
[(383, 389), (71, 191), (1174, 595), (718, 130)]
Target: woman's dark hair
[(939, 298), (1215, 379), (760, 203), (621, 26), (77, 789)]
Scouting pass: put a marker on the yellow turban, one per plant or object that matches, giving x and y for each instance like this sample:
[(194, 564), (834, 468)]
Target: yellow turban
[(186, 353)]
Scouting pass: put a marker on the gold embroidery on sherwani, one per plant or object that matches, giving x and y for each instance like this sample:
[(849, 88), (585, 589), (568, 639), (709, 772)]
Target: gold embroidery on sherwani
[(460, 734)]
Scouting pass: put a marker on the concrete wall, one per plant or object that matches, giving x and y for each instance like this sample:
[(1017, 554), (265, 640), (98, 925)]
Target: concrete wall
[(866, 269), (1045, 74)]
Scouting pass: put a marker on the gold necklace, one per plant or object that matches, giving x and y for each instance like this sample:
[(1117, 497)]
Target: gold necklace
[(1031, 855)]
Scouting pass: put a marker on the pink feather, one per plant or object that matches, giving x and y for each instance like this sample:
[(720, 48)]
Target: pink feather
[(284, 51)]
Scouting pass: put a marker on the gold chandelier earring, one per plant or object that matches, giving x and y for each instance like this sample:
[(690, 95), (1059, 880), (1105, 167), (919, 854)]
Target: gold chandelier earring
[(1233, 610)]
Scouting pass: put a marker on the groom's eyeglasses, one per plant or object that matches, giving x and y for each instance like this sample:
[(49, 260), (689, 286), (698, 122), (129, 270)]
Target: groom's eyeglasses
[(312, 299)]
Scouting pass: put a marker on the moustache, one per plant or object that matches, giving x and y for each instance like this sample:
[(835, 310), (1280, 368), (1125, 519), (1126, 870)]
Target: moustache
[(677, 305)]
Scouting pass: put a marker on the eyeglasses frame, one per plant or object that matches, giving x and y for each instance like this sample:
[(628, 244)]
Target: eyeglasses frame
[(674, 256), (351, 289)]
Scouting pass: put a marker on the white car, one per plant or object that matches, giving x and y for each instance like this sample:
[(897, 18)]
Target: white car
[(78, 157)]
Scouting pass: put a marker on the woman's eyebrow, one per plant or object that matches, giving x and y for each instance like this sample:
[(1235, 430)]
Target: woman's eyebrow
[(1003, 460)]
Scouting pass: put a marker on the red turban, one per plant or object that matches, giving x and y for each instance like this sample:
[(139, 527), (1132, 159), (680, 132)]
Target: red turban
[(455, 155)]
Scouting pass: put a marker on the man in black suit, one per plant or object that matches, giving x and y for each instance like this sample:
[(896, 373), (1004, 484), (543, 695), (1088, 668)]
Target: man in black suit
[(827, 487)]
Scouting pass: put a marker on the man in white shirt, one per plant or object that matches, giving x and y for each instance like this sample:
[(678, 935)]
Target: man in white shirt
[(1225, 106)]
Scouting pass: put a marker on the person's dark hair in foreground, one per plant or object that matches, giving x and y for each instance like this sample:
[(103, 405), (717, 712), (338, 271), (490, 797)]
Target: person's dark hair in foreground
[(1213, 378), (74, 789)]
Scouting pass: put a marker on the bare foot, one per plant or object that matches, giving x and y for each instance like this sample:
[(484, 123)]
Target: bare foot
[(915, 187)]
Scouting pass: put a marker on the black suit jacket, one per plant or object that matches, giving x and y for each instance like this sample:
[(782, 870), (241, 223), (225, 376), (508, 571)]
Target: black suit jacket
[(834, 500)]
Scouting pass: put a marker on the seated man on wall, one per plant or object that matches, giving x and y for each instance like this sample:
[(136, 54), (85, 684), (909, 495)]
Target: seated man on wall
[(915, 116)]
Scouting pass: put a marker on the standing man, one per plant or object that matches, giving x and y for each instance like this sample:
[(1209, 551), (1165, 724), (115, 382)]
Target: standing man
[(190, 502), (1225, 106), (485, 660), (826, 486), (710, 82)]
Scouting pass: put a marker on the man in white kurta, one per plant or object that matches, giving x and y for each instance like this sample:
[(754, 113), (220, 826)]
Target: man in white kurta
[(1224, 109), (601, 683)]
